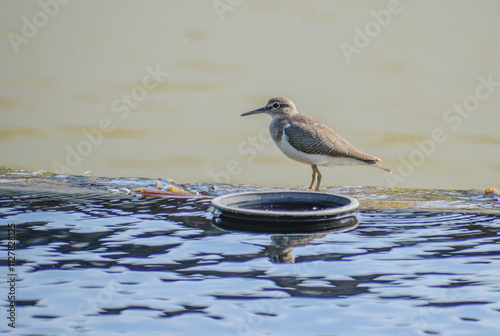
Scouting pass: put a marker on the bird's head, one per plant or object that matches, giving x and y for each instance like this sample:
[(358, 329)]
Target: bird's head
[(275, 107)]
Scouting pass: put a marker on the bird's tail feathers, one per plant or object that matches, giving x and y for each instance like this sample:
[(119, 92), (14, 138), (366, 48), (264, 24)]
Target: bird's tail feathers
[(378, 165)]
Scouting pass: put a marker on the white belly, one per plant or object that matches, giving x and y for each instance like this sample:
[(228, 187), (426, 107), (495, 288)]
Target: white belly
[(316, 159)]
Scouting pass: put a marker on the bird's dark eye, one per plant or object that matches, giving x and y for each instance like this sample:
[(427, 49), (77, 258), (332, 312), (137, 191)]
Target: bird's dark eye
[(276, 106)]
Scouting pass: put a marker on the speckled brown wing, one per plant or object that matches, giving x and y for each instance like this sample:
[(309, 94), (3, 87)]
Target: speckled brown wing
[(309, 136)]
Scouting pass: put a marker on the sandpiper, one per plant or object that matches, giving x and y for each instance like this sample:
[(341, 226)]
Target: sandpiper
[(304, 139)]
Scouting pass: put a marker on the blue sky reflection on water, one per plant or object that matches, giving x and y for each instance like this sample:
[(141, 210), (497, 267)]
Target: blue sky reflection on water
[(94, 262)]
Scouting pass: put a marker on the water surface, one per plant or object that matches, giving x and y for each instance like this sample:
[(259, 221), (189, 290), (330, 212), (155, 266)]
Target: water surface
[(92, 260)]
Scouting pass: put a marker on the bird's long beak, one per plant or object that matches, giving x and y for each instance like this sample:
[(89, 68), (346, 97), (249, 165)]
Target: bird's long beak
[(257, 111)]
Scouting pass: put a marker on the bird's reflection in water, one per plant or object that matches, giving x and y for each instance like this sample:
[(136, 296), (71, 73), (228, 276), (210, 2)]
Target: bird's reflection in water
[(283, 242), (282, 245)]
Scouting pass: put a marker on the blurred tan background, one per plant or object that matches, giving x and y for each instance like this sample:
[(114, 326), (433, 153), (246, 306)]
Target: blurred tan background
[(84, 87)]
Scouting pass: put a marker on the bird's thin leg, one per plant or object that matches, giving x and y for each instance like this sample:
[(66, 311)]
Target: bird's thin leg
[(318, 174), (313, 177)]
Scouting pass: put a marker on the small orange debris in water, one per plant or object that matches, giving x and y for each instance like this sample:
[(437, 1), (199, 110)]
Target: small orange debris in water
[(492, 192), (171, 191), (171, 188)]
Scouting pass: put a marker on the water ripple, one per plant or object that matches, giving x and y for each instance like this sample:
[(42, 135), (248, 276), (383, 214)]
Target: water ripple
[(92, 261)]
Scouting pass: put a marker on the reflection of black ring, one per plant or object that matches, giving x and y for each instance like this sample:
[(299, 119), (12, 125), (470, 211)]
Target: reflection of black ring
[(340, 224)]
